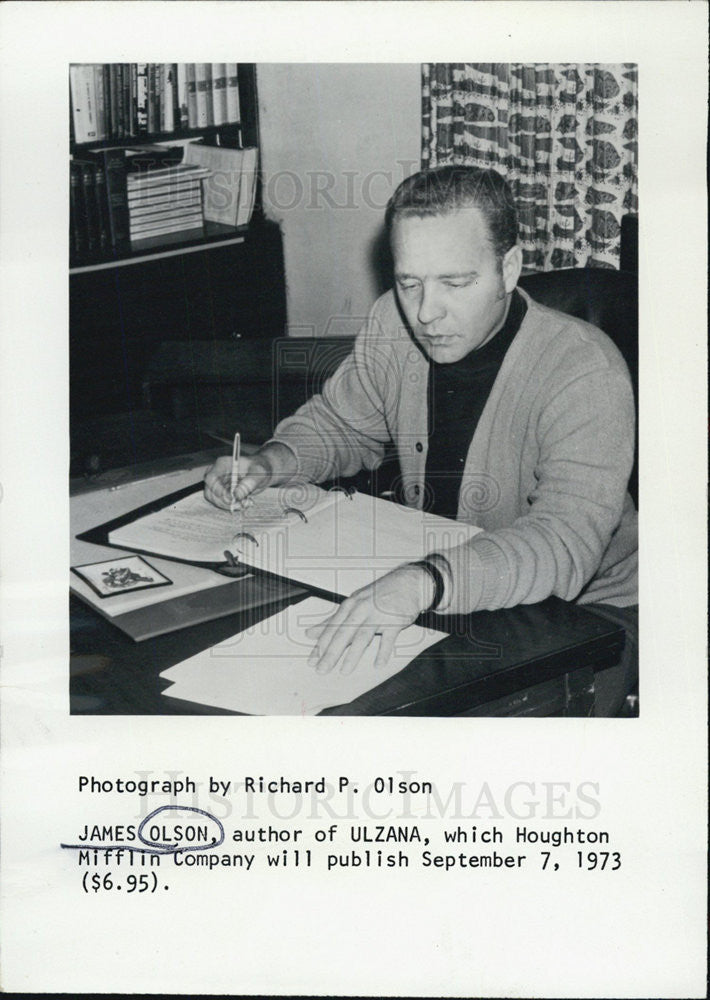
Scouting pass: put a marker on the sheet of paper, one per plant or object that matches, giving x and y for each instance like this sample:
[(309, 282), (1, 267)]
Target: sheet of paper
[(194, 529), (99, 506), (265, 671), (341, 547), (357, 541)]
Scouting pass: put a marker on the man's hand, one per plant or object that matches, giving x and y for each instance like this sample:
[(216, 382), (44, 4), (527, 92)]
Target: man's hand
[(382, 608), (270, 466)]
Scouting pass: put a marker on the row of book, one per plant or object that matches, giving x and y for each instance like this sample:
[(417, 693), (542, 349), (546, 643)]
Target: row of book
[(129, 100), (122, 196), (112, 209)]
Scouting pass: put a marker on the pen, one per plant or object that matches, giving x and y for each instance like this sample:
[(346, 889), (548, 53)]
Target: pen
[(234, 478)]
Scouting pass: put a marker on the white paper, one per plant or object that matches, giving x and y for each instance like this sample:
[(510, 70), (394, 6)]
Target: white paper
[(265, 670), (89, 510), (193, 528), (343, 546), (359, 540)]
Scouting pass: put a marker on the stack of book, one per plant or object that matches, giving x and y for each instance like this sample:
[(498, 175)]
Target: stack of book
[(120, 196), (132, 100), (165, 201)]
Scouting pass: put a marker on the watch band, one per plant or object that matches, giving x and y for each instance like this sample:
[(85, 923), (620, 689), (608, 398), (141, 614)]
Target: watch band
[(438, 578)]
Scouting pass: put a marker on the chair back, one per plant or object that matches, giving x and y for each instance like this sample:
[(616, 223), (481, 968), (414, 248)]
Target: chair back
[(607, 299)]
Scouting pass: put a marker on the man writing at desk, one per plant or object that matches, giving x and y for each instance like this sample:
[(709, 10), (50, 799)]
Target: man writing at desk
[(504, 413)]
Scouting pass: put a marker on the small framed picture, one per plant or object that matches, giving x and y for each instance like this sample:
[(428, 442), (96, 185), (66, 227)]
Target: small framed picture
[(117, 576)]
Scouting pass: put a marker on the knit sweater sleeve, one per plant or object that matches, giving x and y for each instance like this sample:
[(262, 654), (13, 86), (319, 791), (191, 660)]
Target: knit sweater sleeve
[(585, 451), (343, 429)]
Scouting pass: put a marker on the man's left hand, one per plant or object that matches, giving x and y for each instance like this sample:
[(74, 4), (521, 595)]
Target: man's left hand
[(383, 608)]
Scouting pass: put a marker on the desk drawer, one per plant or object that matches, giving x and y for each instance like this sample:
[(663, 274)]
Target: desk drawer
[(571, 694)]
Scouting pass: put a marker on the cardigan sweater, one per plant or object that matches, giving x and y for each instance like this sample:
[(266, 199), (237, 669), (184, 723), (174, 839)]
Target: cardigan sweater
[(546, 472), (457, 396)]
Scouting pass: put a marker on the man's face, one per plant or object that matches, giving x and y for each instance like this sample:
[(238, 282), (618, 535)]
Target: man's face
[(452, 289)]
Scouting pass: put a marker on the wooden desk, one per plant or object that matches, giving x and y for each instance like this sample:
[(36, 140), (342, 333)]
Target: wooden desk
[(537, 660), (531, 660)]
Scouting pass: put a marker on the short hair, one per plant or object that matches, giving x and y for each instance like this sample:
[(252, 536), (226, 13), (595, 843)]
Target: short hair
[(442, 190)]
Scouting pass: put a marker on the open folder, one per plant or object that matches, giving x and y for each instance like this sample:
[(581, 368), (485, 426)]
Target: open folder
[(329, 540), (195, 593)]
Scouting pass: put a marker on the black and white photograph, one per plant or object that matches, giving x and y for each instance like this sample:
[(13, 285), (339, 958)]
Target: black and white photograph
[(471, 429), (353, 464)]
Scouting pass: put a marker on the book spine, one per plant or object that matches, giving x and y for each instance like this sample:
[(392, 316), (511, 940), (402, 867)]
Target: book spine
[(183, 173), (160, 110), (171, 192), (151, 98), (83, 92), (114, 166), (209, 93), (160, 183), (176, 99), (219, 93), (119, 119), (183, 204), (76, 220), (126, 101), (158, 98), (102, 101), (193, 227), (164, 221), (166, 230), (72, 133), (201, 91), (103, 224), (233, 112), (191, 78), (168, 98), (174, 225), (141, 99), (109, 120), (88, 184), (110, 110), (133, 100), (148, 172), (110, 100), (99, 91), (180, 204), (183, 117), (138, 182), (114, 94), (140, 212)]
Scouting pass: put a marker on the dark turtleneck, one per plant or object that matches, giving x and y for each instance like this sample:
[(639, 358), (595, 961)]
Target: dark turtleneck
[(458, 392)]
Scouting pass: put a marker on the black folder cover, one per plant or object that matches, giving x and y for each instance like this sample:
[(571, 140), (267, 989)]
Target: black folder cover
[(190, 609), (100, 534)]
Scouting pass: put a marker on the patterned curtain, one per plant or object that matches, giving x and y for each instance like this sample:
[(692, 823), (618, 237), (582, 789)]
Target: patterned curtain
[(565, 136)]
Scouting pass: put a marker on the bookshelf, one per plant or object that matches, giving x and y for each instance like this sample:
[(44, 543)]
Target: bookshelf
[(214, 292), (131, 122), (211, 235), (225, 135)]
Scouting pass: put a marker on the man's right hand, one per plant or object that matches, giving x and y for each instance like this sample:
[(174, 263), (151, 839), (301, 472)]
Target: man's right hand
[(272, 465)]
